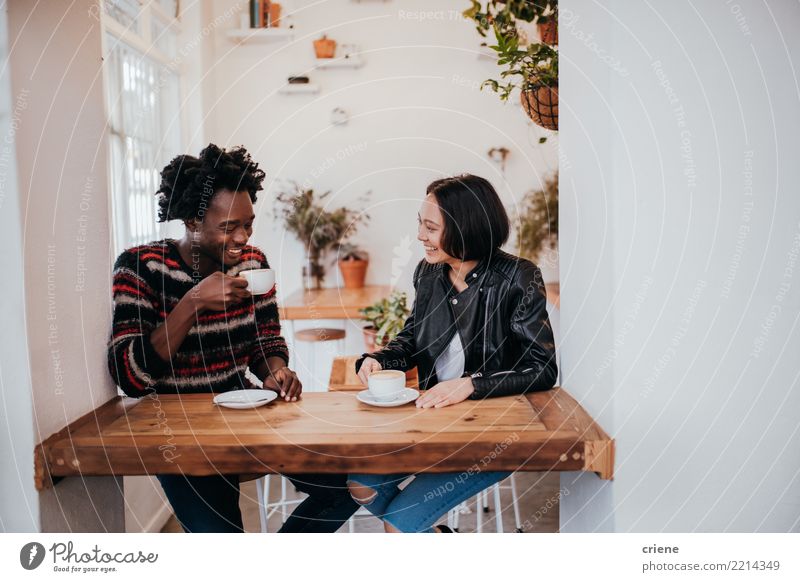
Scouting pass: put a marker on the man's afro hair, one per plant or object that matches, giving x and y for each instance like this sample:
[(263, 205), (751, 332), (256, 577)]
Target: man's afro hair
[(188, 183)]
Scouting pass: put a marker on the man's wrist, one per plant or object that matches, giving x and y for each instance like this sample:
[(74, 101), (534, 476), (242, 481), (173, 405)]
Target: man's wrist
[(277, 361), (193, 301)]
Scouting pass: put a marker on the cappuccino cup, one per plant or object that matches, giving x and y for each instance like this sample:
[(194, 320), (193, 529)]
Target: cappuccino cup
[(385, 385), (259, 281)]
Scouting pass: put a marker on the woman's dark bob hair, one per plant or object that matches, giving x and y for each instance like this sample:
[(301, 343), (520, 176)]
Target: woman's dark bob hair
[(475, 220)]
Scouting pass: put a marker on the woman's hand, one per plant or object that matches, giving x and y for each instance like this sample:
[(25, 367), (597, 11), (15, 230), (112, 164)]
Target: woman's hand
[(219, 290), (368, 366), (285, 382), (446, 393)]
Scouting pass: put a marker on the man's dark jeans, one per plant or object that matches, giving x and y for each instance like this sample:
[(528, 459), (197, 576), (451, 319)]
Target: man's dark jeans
[(211, 504)]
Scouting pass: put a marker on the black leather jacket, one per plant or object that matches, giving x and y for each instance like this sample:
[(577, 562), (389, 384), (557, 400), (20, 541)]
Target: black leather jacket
[(502, 321)]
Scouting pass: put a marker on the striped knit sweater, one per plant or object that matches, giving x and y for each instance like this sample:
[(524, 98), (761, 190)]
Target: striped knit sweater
[(149, 281)]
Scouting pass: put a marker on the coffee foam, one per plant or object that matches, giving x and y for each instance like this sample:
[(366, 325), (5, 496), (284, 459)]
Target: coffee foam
[(387, 374)]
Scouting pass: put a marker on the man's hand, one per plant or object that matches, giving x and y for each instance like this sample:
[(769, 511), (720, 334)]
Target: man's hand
[(446, 393), (218, 291), (284, 381), (368, 366)]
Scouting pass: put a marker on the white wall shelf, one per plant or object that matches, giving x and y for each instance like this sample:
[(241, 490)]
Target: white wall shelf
[(351, 62), (261, 34), (299, 89)]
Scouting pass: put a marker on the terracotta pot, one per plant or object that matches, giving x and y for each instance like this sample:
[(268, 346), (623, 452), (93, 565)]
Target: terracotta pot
[(371, 339), (370, 334), (274, 15), (354, 272), (548, 32), (541, 105), (325, 47)]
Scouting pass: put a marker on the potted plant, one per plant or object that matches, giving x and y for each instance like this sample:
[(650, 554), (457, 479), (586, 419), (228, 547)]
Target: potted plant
[(510, 14), (304, 214), (548, 30), (385, 319), (353, 263), (530, 67), (539, 85), (538, 224), (324, 47)]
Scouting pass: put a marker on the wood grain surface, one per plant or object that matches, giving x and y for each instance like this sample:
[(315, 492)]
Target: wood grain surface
[(327, 432)]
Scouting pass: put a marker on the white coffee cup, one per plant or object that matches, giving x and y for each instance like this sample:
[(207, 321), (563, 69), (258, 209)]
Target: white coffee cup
[(259, 281), (385, 385)]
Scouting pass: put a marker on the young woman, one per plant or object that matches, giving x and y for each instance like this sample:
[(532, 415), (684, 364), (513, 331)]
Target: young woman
[(478, 329), (185, 322)]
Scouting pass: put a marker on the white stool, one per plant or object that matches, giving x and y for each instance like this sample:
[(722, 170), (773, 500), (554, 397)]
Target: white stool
[(316, 335), (267, 509), (482, 502)]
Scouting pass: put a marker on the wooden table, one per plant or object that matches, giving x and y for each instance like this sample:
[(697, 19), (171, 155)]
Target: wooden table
[(341, 303), (327, 432), (331, 303), (328, 303)]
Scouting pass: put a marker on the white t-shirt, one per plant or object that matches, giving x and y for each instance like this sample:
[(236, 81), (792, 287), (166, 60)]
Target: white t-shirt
[(450, 364)]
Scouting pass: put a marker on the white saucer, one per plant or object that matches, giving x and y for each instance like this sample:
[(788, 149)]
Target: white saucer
[(245, 398), (406, 396)]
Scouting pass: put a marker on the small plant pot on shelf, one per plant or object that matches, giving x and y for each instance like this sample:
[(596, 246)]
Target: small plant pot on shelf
[(325, 48), (354, 273), (541, 105), (548, 32)]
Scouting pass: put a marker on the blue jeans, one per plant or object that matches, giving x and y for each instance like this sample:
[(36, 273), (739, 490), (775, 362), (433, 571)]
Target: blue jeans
[(418, 506)]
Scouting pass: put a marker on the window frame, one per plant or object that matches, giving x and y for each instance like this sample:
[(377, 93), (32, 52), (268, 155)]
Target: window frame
[(141, 41)]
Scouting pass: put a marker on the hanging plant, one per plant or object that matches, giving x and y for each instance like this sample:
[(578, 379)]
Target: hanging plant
[(548, 30), (530, 67), (506, 13)]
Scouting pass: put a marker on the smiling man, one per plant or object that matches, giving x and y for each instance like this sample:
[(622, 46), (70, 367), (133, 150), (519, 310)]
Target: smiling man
[(184, 322)]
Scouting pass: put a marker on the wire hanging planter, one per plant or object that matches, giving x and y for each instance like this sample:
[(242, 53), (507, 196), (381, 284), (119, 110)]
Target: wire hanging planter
[(541, 105)]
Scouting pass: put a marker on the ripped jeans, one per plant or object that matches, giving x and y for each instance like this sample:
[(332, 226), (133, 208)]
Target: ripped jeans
[(418, 506)]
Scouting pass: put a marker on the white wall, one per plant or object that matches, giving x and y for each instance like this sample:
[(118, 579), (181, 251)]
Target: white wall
[(416, 115), (680, 236), (19, 501), (61, 163)]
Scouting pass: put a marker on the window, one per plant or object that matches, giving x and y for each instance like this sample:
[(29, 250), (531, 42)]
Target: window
[(143, 104)]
